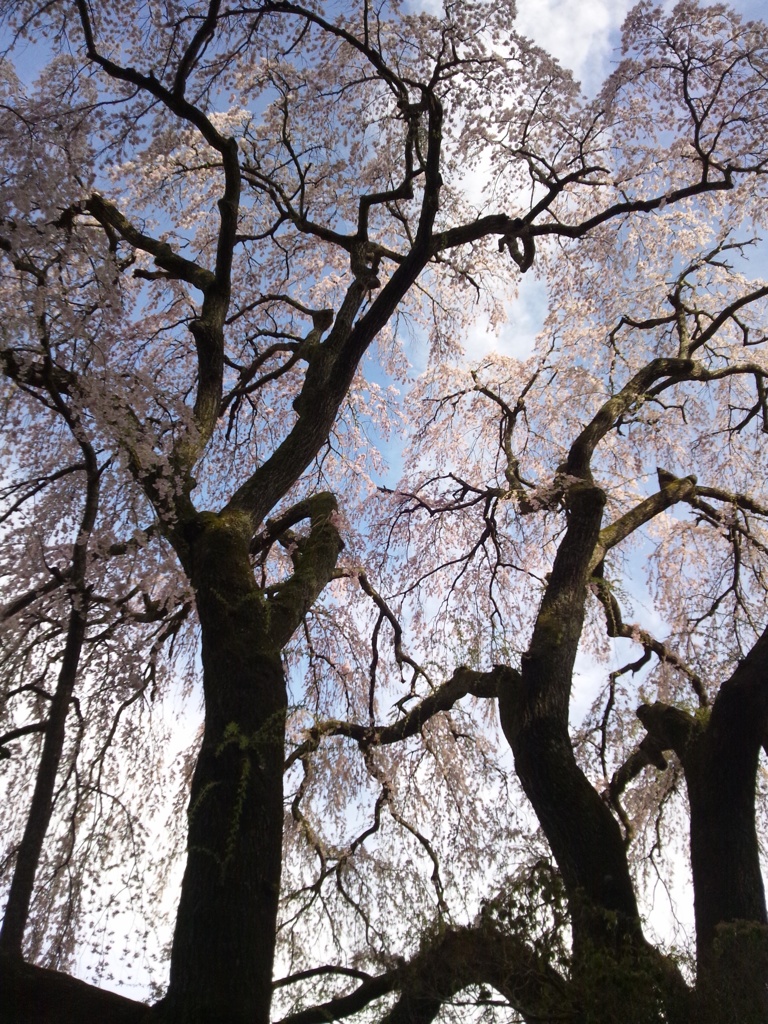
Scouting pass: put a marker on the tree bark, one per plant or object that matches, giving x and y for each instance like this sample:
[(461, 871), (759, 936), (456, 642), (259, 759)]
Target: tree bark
[(615, 974), (36, 995), (584, 837), (480, 955), (721, 770), (223, 945), (719, 751), (224, 940)]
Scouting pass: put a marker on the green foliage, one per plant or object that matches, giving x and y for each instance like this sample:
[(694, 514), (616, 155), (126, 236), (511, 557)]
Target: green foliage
[(731, 983), (532, 906)]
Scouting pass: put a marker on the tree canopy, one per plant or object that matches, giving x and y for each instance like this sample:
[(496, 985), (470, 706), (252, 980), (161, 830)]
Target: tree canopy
[(476, 642)]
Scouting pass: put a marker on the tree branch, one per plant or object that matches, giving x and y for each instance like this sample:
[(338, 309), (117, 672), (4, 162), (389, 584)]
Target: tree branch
[(674, 491), (464, 682), (15, 734), (314, 563), (179, 268), (455, 959), (36, 995)]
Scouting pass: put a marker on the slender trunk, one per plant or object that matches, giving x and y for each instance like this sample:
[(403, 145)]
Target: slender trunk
[(224, 940), (30, 848), (38, 819)]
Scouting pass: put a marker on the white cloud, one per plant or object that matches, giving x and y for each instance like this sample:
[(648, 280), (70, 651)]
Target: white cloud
[(582, 34), (585, 35)]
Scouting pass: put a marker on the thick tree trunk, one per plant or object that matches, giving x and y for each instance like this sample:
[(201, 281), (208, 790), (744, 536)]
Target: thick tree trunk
[(725, 857), (616, 975), (223, 946), (584, 836), (729, 897), (719, 751), (721, 764)]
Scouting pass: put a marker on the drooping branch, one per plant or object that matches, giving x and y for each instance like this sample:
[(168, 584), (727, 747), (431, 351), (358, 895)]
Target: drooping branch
[(464, 682), (616, 627), (41, 806), (482, 954), (386, 613), (36, 995)]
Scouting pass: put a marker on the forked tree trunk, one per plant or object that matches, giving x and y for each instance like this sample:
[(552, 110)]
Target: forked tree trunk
[(224, 940), (615, 975)]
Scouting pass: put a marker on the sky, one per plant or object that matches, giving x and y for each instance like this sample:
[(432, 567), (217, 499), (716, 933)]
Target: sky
[(582, 34), (585, 36)]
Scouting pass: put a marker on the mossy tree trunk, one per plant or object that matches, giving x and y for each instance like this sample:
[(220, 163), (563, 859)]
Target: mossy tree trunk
[(616, 976), (719, 750), (224, 940), (582, 832)]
